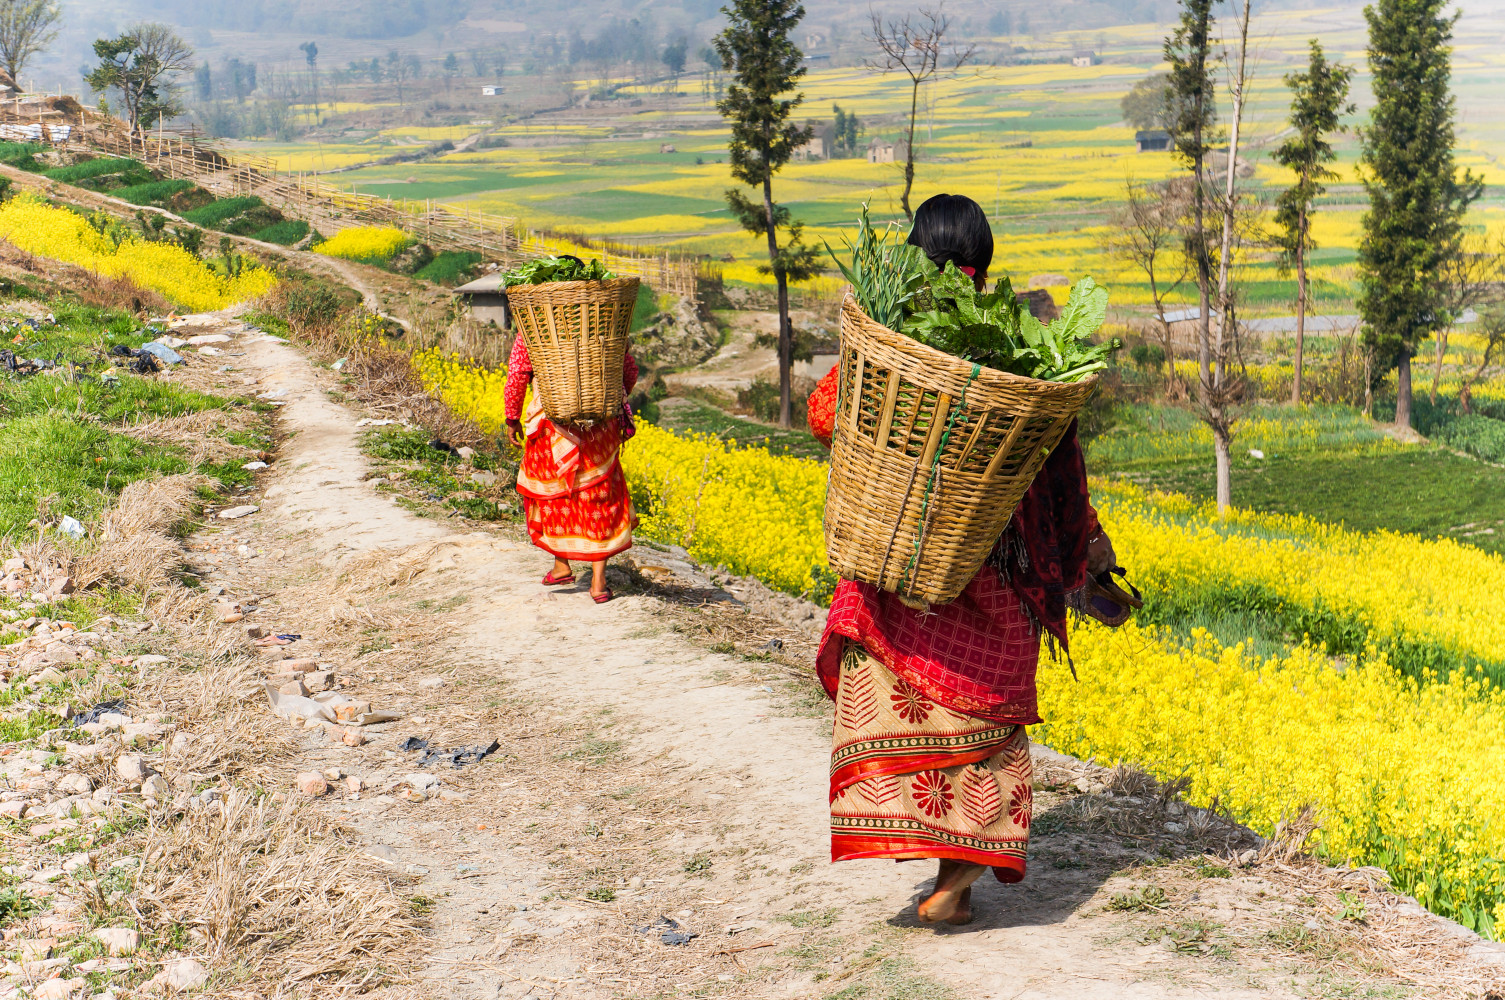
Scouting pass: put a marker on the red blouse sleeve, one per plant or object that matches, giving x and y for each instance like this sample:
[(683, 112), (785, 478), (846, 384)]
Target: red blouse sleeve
[(821, 409), (629, 373), (519, 374)]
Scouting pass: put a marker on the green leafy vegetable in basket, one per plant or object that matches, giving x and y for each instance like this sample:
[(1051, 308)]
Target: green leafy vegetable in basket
[(898, 286), (546, 269)]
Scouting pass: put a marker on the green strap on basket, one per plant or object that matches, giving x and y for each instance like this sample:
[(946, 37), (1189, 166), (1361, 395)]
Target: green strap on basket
[(930, 480)]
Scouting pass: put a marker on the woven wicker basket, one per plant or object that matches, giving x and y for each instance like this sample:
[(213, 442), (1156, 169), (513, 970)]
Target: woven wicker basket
[(930, 456), (577, 337)]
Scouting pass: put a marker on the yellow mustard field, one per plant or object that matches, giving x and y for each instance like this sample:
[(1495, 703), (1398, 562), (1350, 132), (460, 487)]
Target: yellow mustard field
[(56, 233), (465, 387), (755, 513), (1403, 773), (365, 243)]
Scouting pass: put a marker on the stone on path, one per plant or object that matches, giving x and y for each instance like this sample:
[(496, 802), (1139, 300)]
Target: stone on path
[(312, 783), (118, 940), (182, 974), (231, 513)]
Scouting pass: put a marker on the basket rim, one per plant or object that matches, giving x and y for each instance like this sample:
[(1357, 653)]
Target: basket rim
[(953, 366), (583, 284)]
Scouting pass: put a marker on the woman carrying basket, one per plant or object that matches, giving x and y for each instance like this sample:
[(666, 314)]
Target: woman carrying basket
[(574, 493), (929, 755)]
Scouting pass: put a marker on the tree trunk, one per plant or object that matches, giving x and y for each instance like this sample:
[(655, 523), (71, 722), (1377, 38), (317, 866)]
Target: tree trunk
[(1442, 346), (786, 341), (1222, 440), (914, 102), (1403, 391), (1300, 309)]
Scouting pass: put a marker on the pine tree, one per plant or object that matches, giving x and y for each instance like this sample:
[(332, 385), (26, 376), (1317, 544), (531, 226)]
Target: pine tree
[(1416, 198), (766, 68), (1317, 103)]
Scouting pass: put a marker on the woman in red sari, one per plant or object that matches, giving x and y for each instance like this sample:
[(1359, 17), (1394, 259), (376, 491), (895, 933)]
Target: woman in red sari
[(574, 493), (929, 754)]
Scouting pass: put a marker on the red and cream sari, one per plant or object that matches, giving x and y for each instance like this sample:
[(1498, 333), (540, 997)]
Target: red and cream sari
[(929, 757), (574, 494)]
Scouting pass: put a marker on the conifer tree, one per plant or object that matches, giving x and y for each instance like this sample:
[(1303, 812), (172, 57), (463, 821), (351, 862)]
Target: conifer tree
[(766, 68), (1417, 200), (1317, 103)]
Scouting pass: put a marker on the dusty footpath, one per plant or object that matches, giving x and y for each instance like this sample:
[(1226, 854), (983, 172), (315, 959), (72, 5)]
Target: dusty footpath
[(648, 814)]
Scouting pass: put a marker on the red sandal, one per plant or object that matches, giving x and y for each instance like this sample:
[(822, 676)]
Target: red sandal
[(603, 597), (550, 580)]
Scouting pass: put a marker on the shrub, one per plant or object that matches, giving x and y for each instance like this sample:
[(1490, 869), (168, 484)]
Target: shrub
[(452, 267), (762, 398), (1478, 435)]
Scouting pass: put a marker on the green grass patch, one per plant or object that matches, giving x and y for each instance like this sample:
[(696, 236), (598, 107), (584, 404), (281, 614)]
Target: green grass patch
[(129, 398), (452, 267), (1133, 435), (152, 192), (16, 905), (78, 468), (103, 166), (694, 416), (32, 725), (21, 155), (1481, 436), (214, 214), (284, 233), (1415, 490)]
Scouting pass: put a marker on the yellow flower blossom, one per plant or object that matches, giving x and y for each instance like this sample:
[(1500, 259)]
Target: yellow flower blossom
[(37, 227)]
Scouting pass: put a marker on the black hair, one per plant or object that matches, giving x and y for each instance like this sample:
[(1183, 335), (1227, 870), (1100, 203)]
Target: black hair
[(953, 228)]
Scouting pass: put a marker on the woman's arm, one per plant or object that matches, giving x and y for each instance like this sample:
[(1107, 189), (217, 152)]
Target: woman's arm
[(519, 374), (629, 373), (820, 412)]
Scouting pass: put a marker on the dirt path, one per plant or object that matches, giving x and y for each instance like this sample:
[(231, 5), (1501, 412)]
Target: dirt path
[(643, 777)]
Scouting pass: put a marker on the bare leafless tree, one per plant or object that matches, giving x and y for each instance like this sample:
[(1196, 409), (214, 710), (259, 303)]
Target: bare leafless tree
[(1222, 388), (26, 28), (917, 45), (1147, 234), (1471, 274), (1492, 329)]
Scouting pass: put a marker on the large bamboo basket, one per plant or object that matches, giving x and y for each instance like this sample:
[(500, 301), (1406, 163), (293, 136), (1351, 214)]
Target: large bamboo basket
[(577, 336), (929, 458)]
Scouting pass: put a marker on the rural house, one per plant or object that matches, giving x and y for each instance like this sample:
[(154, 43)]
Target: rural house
[(491, 91), (1152, 141), (821, 145), (883, 151), (1083, 58)]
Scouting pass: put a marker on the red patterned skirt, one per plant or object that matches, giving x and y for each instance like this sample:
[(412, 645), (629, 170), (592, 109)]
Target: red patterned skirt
[(913, 779), (574, 494)]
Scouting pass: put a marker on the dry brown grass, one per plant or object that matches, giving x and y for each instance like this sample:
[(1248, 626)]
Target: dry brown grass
[(201, 434), (277, 889)]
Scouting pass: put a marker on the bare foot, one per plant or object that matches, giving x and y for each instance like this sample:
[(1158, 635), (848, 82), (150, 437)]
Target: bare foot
[(952, 886), (963, 912)]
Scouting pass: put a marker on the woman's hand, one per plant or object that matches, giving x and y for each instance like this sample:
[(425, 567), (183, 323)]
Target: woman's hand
[(1100, 555), (515, 432)]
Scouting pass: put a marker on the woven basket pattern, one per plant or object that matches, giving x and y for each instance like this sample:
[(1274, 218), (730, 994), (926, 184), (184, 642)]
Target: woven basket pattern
[(577, 337), (930, 456)]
